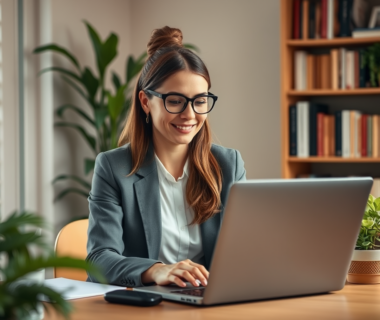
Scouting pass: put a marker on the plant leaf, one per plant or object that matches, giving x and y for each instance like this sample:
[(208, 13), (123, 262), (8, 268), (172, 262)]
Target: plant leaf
[(109, 50), (81, 181), (83, 114), (17, 220), (90, 82), (22, 265), (61, 70), (100, 116), (19, 241), (90, 139), (77, 89), (59, 49), (89, 165), (116, 80), (115, 103), (71, 190)]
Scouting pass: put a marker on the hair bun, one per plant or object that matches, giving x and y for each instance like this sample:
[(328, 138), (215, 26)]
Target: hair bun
[(164, 37)]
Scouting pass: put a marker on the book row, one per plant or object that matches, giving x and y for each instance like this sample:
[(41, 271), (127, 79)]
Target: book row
[(339, 69), (347, 133)]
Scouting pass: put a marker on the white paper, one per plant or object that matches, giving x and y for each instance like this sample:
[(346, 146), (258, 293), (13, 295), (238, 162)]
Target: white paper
[(74, 289)]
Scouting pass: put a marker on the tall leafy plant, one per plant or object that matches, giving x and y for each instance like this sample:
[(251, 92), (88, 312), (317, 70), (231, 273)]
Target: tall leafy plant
[(372, 60), (108, 109), (18, 299)]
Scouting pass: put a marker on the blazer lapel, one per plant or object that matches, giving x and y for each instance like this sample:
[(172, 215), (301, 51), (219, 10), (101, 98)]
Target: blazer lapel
[(148, 199)]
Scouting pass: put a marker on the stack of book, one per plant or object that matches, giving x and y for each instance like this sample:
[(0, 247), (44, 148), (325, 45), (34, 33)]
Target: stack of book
[(321, 19), (347, 133), (339, 69)]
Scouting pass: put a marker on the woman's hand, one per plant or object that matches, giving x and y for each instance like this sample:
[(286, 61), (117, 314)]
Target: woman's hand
[(164, 274)]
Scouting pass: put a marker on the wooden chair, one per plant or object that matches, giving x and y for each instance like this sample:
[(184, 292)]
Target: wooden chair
[(71, 241)]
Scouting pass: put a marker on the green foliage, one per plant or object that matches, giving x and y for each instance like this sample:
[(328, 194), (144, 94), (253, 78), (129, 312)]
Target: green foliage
[(372, 60), (17, 298), (370, 229)]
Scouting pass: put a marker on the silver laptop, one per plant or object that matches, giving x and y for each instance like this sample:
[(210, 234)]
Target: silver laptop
[(281, 238)]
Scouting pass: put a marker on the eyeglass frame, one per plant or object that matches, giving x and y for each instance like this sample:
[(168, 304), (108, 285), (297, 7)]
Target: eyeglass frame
[(163, 96)]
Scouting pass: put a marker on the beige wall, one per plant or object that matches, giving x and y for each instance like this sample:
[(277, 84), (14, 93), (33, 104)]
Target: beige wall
[(70, 32), (240, 44)]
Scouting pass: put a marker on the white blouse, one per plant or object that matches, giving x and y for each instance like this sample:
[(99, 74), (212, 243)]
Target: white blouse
[(179, 240)]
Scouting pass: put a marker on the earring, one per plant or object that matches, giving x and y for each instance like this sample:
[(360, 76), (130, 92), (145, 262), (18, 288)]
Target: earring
[(147, 118)]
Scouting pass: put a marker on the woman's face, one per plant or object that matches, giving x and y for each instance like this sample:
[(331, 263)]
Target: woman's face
[(176, 129)]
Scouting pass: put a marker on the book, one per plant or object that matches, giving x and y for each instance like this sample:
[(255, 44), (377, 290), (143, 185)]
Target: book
[(369, 136), (375, 135), (345, 9), (364, 135), (356, 69), (302, 129), (342, 68), (320, 135), (350, 77), (324, 19), (293, 130), (305, 19), (318, 17), (331, 135), (296, 21), (334, 55), (310, 62), (312, 23), (366, 32), (346, 135), (330, 19), (314, 109), (338, 133), (300, 66), (325, 69), (358, 134)]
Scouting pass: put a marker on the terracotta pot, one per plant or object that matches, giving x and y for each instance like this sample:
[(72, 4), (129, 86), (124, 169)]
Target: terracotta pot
[(365, 267)]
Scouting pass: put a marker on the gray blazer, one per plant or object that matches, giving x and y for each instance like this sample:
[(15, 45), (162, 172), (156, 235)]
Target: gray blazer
[(124, 232)]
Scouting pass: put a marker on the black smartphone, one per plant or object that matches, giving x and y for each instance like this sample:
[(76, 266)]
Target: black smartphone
[(134, 298)]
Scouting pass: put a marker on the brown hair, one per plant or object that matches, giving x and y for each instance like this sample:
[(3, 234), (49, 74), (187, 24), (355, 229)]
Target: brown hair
[(166, 56)]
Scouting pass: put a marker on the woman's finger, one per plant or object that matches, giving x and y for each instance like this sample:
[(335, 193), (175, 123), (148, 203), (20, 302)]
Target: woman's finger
[(185, 275), (202, 269), (174, 279)]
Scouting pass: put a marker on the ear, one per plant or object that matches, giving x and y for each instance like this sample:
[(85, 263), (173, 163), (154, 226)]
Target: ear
[(144, 101)]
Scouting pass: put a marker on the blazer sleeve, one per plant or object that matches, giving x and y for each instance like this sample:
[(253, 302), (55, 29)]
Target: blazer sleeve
[(240, 170), (105, 244)]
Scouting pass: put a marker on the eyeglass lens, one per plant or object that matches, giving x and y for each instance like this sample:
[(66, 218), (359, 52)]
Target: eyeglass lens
[(176, 103)]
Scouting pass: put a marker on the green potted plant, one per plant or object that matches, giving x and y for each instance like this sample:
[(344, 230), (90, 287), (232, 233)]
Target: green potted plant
[(21, 299), (372, 60), (108, 109), (365, 264)]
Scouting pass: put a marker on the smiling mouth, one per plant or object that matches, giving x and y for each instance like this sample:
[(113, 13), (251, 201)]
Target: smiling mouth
[(184, 127)]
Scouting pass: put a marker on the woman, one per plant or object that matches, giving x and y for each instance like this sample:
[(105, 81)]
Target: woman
[(157, 201)]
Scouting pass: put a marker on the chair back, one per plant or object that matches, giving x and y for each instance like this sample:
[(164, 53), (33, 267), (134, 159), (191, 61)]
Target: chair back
[(71, 242)]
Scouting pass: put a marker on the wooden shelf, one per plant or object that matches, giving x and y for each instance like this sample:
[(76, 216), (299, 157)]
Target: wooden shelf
[(330, 92), (331, 42), (333, 159)]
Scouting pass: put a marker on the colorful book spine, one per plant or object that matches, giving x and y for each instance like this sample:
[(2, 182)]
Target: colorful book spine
[(312, 22), (324, 19), (320, 139), (314, 109), (296, 21), (369, 136), (346, 136)]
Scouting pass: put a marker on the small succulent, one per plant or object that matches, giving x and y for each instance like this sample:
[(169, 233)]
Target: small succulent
[(369, 236), (18, 299)]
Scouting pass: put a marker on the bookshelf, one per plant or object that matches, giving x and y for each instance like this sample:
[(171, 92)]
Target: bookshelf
[(365, 99)]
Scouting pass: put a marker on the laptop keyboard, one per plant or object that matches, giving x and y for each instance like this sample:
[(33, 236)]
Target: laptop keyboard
[(191, 292)]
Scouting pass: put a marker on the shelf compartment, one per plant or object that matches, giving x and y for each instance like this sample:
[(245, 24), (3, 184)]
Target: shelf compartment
[(331, 42), (330, 92), (333, 160)]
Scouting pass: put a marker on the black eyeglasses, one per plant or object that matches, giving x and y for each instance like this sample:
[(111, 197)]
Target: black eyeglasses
[(177, 103)]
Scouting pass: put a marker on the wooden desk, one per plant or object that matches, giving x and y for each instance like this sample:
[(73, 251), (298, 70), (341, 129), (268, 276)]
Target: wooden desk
[(353, 302)]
